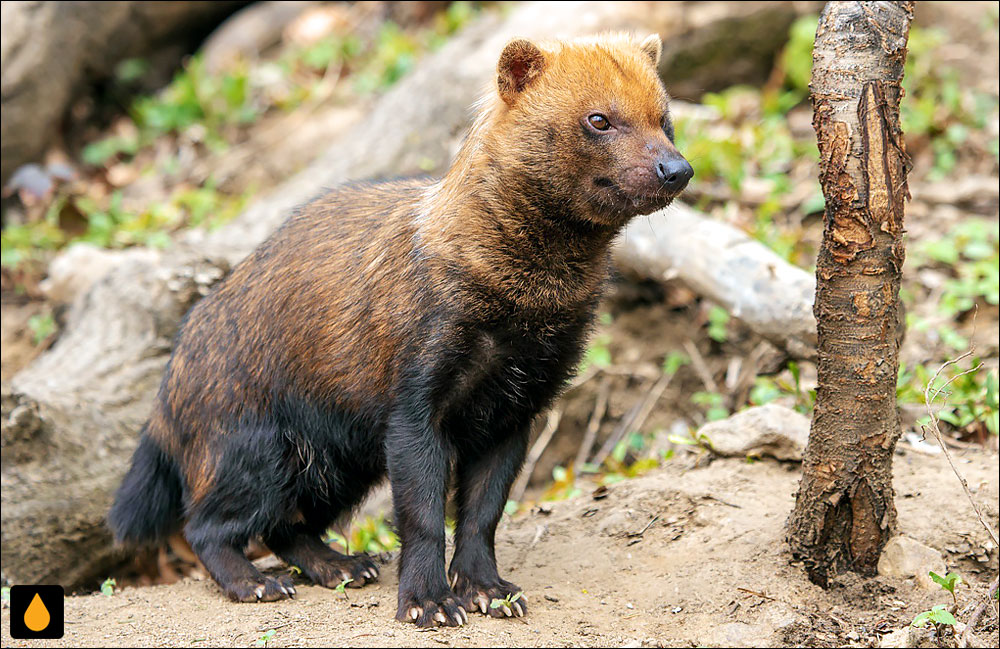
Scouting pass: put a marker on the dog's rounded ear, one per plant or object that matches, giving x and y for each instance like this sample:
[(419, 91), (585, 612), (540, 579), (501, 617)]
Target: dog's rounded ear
[(520, 63), (652, 46)]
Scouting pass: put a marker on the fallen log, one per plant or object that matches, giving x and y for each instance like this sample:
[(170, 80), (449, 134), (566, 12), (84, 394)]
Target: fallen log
[(720, 262)]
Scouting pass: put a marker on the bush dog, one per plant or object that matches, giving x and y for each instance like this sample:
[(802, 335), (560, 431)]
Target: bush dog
[(412, 328)]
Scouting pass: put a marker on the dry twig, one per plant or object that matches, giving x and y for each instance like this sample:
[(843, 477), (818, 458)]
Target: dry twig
[(964, 640), (635, 418), (930, 394), (593, 426), (701, 367)]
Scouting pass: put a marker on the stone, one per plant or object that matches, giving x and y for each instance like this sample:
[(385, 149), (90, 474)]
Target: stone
[(899, 639), (906, 558), (769, 430)]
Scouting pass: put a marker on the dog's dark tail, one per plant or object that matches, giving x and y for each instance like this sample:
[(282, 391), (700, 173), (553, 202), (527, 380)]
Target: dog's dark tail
[(147, 506)]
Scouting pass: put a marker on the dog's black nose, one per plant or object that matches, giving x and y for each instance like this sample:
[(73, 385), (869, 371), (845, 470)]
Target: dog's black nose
[(674, 172)]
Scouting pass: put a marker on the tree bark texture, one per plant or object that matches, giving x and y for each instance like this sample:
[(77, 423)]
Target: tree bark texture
[(844, 510)]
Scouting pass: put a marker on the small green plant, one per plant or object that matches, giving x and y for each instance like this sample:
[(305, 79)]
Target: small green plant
[(598, 353), (41, 325), (712, 403), (674, 361), (972, 399), (342, 587), (563, 485), (108, 587), (948, 582), (970, 252), (767, 389), (938, 107), (266, 637), (28, 242), (507, 602), (938, 616), (373, 535), (718, 324), (628, 459), (112, 224)]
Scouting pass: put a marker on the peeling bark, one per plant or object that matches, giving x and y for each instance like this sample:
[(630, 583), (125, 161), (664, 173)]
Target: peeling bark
[(844, 510)]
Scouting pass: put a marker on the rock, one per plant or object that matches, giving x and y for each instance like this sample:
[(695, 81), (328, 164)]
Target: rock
[(769, 430), (904, 558), (899, 639)]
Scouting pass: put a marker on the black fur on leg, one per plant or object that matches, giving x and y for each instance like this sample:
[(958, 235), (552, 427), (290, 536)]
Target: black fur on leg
[(484, 480)]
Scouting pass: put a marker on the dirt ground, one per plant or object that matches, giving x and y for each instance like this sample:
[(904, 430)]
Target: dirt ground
[(709, 570)]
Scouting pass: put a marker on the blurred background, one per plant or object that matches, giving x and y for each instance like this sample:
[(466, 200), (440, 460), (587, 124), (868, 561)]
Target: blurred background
[(149, 146)]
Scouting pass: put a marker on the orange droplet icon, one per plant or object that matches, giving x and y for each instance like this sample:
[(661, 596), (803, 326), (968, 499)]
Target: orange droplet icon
[(36, 617)]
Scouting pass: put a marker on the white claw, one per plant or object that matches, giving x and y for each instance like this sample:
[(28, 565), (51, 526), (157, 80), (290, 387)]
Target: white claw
[(374, 572), (482, 605), (507, 611), (259, 592), (520, 611), (458, 619), (465, 616), (440, 618), (366, 574), (453, 580), (414, 613)]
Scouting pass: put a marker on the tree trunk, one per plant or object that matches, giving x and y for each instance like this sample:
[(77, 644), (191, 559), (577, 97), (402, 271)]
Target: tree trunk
[(844, 510)]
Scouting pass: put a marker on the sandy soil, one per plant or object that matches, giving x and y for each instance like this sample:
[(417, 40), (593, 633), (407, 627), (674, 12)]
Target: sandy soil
[(709, 570)]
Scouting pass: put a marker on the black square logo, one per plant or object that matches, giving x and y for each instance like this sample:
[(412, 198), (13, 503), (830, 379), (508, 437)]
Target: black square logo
[(36, 612)]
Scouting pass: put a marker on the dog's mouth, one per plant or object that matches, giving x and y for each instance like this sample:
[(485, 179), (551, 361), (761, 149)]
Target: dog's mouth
[(610, 196)]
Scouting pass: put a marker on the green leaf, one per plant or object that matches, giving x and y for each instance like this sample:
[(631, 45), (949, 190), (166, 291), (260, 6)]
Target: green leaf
[(718, 319), (674, 361), (948, 582), (42, 326), (938, 615), (681, 441)]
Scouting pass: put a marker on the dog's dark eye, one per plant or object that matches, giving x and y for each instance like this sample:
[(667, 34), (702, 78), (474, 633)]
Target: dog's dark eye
[(668, 127), (600, 122)]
